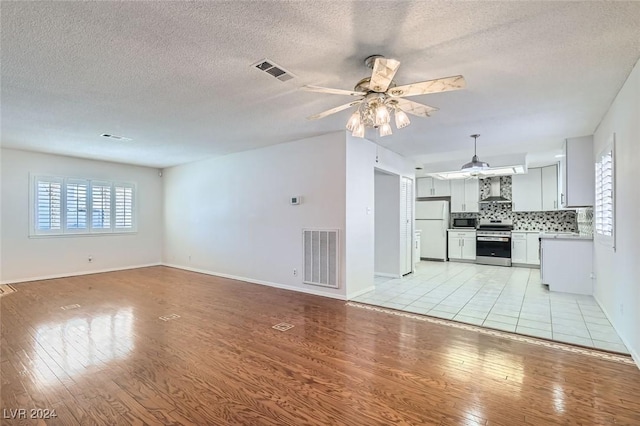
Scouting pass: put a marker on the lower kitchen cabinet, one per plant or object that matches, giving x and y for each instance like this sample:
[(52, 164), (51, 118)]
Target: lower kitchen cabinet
[(525, 248), (567, 265), (518, 247), (462, 245)]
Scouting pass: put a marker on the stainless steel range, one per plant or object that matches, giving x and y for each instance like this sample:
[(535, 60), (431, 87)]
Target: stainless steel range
[(493, 242)]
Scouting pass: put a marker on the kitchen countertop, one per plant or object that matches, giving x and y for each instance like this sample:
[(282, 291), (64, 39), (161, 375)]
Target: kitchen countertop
[(462, 229), (565, 236), (528, 232)]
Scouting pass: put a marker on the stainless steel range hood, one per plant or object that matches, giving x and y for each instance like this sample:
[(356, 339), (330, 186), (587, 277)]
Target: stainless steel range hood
[(494, 195)]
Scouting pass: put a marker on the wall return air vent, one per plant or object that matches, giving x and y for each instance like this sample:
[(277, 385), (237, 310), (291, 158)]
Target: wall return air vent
[(321, 257), (273, 69)]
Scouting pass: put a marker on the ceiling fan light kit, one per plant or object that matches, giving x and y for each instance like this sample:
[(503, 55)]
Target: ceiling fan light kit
[(379, 97)]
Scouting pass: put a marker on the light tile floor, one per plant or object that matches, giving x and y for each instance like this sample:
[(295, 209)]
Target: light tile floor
[(509, 299)]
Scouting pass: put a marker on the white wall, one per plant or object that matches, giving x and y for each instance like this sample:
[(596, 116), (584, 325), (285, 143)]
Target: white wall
[(362, 157), (231, 216), (617, 285), (25, 258), (387, 224)]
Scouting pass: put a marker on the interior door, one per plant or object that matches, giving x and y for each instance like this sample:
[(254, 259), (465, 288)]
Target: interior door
[(406, 226)]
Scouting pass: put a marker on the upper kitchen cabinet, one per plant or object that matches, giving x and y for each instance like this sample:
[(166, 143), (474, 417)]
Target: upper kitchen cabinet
[(577, 173), (535, 191), (549, 188), (465, 196), (526, 191), (431, 187)]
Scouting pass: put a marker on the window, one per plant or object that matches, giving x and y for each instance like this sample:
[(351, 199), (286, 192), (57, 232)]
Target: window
[(49, 205), (605, 196), (81, 206), (101, 206), (76, 206)]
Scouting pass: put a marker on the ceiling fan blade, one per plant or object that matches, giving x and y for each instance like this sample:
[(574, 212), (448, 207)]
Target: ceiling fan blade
[(333, 110), (414, 108), (383, 72), (431, 86), (332, 91)]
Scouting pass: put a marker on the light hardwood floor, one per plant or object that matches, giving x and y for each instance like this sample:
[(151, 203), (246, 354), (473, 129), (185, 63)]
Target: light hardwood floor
[(113, 361)]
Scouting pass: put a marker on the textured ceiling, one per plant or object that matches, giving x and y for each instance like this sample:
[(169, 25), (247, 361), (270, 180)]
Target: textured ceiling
[(176, 77)]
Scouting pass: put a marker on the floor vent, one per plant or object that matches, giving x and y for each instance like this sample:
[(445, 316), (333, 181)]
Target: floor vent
[(69, 307), (283, 326), (320, 257), (169, 317), (274, 70), (7, 289)]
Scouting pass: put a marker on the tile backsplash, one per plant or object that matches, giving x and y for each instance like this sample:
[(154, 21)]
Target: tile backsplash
[(551, 221)]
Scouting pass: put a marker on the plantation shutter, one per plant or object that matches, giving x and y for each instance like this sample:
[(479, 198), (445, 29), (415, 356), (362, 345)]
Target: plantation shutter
[(604, 215), (48, 205), (76, 205), (123, 206), (101, 206)]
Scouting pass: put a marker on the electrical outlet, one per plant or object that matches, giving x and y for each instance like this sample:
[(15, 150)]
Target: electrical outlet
[(295, 272), (90, 258), (189, 258)]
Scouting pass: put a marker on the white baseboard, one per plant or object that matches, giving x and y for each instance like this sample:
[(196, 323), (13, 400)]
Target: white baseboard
[(254, 281), (360, 292), (634, 354), (75, 274), (382, 274)]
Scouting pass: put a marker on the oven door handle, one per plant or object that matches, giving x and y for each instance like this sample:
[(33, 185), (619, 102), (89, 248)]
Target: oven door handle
[(498, 239)]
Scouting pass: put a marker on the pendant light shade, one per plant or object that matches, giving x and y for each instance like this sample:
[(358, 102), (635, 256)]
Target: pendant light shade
[(475, 164)]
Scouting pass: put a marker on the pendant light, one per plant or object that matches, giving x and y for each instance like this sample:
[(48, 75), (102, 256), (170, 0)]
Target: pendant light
[(475, 165)]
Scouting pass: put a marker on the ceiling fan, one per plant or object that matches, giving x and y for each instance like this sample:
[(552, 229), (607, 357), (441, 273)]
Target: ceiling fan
[(379, 96)]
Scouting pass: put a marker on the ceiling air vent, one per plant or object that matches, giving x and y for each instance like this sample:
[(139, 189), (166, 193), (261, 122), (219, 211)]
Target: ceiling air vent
[(118, 138), (271, 68)]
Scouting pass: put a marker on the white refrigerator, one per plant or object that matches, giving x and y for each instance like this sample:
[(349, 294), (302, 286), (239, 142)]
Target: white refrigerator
[(432, 219)]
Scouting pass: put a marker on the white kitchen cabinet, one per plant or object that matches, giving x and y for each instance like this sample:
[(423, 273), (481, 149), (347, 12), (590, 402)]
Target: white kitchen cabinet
[(469, 247), (549, 188), (519, 247), (465, 196), (567, 265), (577, 173), (533, 248), (537, 190), (525, 248), (462, 245), (431, 187), (526, 191)]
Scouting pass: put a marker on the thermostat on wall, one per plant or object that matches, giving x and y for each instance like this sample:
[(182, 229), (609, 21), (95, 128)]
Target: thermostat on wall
[(295, 200)]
